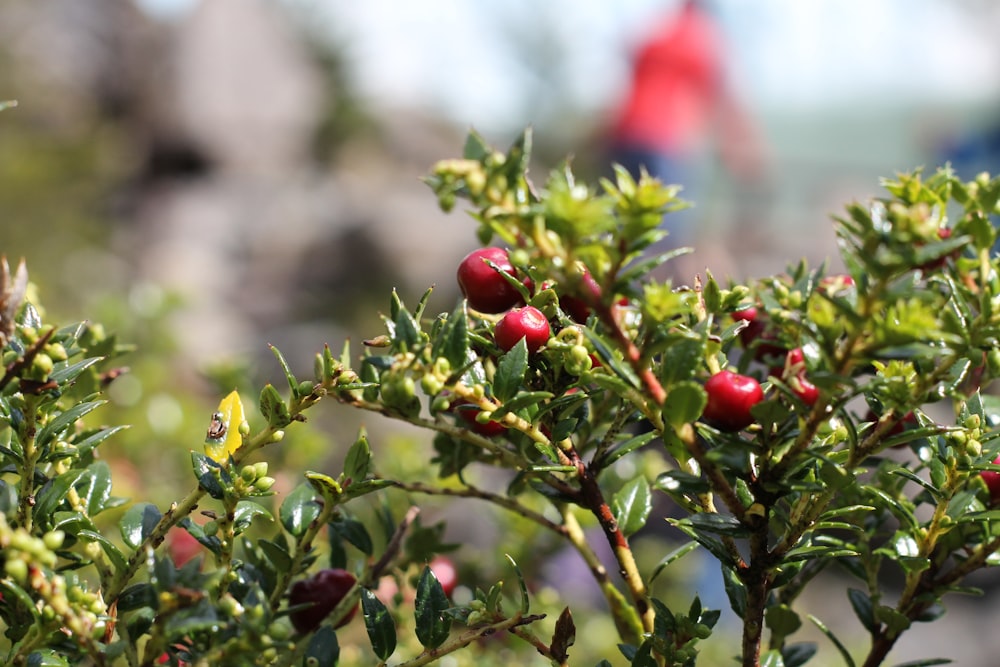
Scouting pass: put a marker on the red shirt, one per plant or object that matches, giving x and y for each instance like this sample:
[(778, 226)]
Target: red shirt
[(676, 85)]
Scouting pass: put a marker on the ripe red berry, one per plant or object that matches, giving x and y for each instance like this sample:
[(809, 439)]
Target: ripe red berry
[(576, 307), (730, 397), (446, 574), (528, 323), (322, 592), (484, 287), (992, 480), (756, 334), (794, 373)]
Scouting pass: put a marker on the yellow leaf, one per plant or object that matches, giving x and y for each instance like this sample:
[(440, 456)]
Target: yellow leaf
[(224, 437)]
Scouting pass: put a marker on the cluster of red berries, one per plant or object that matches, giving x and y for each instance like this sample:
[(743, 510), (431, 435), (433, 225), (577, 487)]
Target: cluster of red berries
[(485, 287)]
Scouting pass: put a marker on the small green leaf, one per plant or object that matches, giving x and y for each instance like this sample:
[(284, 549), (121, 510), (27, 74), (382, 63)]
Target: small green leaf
[(798, 654), (844, 653), (631, 505), (298, 510), (94, 487), (326, 486), (453, 342), (358, 461), (110, 549), (54, 493), (323, 649), (433, 625), (85, 446), (63, 420), (862, 605), (522, 586), (292, 382), (66, 374), (277, 554), (772, 658), (138, 596), (210, 475), (379, 624), (245, 512), (138, 523), (354, 532), (510, 371), (273, 408), (685, 403), (674, 555)]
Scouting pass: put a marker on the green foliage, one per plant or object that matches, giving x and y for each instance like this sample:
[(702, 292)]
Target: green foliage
[(864, 475)]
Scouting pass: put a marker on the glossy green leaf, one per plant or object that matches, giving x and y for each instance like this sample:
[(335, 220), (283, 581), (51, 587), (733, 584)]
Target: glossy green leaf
[(510, 371), (273, 407), (299, 509), (110, 548), (798, 654), (632, 504), (87, 444), (66, 373), (432, 624), (379, 624), (277, 554), (522, 585), (685, 403), (357, 463), (355, 533), (245, 512), (63, 420), (323, 649), (138, 523), (54, 493), (289, 377), (210, 475), (862, 605), (844, 653), (674, 555), (94, 487), (453, 342)]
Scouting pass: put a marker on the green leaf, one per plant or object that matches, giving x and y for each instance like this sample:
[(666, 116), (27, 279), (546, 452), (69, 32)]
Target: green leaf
[(631, 505), (433, 625), (273, 407), (476, 147), (138, 596), (453, 341), (85, 446), (674, 555), (357, 464), (685, 403), (379, 624), (54, 493), (46, 658), (299, 509), (292, 382), (245, 512), (110, 549), (782, 620), (138, 523), (862, 605), (798, 654), (210, 475), (354, 532), (720, 524), (522, 586), (277, 554), (895, 622), (323, 649), (628, 447), (63, 420), (521, 401), (94, 487), (844, 653), (510, 371), (772, 658), (407, 329), (66, 374)]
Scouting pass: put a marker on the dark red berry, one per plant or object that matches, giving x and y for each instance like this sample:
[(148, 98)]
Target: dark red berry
[(992, 479), (321, 592), (807, 392), (730, 397), (756, 335), (446, 574), (578, 308), (528, 323), (484, 287), (468, 412)]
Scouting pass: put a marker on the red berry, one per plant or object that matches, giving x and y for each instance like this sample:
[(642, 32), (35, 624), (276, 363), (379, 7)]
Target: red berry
[(756, 334), (730, 397), (579, 308), (322, 592), (182, 546), (992, 479), (446, 574), (528, 323), (468, 412), (807, 392), (485, 288)]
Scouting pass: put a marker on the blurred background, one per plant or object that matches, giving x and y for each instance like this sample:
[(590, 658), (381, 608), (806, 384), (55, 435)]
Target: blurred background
[(207, 177)]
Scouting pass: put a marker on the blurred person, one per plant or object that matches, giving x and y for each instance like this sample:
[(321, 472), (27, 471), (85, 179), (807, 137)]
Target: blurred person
[(677, 100)]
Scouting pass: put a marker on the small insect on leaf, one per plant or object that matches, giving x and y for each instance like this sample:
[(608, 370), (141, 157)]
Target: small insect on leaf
[(223, 437)]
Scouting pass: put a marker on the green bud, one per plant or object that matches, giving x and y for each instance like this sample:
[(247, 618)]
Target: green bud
[(56, 351), (263, 484), (431, 384), (16, 569), (54, 539), (277, 436), (41, 366)]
